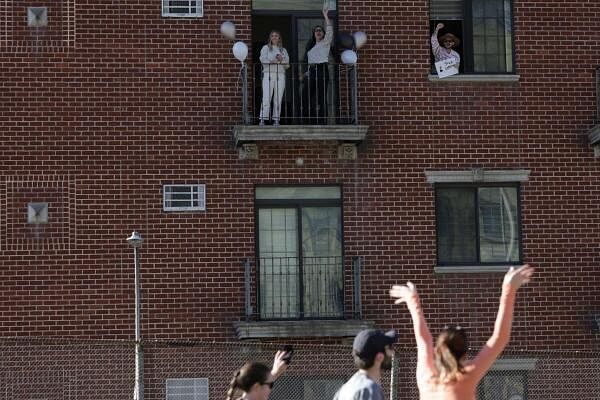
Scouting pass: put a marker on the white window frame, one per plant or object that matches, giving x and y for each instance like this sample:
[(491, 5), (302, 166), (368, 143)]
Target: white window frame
[(199, 7), (197, 197)]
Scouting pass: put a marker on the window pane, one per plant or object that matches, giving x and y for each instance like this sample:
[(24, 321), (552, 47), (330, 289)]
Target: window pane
[(456, 225), (492, 36), (278, 263), (498, 224), (322, 261), (293, 4), (445, 9), (491, 27), (503, 385)]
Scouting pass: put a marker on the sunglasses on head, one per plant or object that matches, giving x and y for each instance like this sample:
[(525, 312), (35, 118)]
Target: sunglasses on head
[(269, 384)]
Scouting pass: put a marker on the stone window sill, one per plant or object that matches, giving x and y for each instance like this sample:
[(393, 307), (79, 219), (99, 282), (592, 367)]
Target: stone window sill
[(475, 78), (469, 269), (308, 328)]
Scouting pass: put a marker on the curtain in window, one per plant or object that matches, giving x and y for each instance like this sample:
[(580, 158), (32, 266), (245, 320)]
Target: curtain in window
[(322, 261), (498, 224), (492, 36), (278, 263)]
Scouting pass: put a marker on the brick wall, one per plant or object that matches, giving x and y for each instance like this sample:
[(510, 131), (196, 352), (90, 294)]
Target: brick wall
[(110, 103)]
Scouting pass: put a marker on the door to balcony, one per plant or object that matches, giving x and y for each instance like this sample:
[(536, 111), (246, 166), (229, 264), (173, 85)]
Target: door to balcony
[(295, 21), (299, 240)]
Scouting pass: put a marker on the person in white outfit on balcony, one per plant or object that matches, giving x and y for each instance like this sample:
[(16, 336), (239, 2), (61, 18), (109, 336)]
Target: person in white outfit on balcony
[(275, 60), (445, 50)]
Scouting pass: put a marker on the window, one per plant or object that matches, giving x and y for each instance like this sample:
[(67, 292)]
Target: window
[(477, 224), (485, 30), (184, 198), (507, 379), (187, 389), (303, 388), (510, 385), (299, 252), (182, 8)]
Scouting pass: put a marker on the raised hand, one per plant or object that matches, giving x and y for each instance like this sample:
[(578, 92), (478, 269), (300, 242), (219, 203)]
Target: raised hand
[(515, 278), (279, 364), (439, 26), (405, 294)]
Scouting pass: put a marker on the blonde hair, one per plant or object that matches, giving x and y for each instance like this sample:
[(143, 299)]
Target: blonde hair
[(269, 42), (450, 347)]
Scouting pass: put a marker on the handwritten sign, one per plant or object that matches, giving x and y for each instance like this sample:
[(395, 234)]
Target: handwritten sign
[(446, 67)]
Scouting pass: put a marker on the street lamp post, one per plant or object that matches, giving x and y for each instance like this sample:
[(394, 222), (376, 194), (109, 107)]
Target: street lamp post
[(135, 241)]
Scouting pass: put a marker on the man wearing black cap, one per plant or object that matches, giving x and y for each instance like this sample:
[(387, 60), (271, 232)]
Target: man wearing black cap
[(372, 352)]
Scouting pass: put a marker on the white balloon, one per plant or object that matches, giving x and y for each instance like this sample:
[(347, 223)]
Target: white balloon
[(228, 30), (349, 57), (360, 38), (240, 51)]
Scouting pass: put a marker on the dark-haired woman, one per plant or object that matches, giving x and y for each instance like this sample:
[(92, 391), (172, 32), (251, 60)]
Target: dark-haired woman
[(442, 371), (256, 380), (317, 75)]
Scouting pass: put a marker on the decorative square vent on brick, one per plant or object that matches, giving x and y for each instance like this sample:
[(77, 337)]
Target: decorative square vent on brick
[(37, 213), (37, 17)]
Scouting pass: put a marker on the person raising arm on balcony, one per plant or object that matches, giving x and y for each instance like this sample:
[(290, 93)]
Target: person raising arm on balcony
[(317, 58), (256, 380), (443, 373), (445, 50), (275, 60)]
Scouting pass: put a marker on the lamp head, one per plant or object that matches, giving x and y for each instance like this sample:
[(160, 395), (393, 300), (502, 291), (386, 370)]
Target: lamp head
[(135, 240)]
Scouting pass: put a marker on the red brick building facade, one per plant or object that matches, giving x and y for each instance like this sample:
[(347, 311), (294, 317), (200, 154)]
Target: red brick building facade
[(105, 105)]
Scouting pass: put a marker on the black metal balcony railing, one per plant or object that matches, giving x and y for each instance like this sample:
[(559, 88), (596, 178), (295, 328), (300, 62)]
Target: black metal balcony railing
[(317, 94), (598, 95), (291, 288), (594, 132)]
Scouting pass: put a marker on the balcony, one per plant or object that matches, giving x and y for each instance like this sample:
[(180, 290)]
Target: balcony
[(317, 104), (308, 296), (594, 132)]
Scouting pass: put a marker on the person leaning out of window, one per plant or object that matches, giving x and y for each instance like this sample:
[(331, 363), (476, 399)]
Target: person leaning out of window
[(445, 50)]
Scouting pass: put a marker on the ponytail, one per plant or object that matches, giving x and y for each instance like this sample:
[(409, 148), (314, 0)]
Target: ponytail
[(450, 347), (246, 377), (233, 385)]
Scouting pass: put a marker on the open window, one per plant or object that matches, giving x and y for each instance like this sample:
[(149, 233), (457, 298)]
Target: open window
[(485, 30)]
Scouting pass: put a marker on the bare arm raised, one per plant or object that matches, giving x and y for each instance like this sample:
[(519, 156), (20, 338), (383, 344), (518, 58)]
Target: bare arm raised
[(279, 364), (513, 280), (408, 294)]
